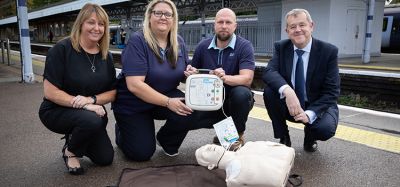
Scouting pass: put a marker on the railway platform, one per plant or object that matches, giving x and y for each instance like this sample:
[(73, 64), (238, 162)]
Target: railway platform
[(364, 152)]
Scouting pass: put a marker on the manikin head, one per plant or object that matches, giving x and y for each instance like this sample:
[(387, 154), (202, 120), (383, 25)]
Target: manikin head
[(209, 155)]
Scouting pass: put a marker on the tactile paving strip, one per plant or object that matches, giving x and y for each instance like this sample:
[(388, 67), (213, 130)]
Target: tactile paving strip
[(368, 138), (369, 67)]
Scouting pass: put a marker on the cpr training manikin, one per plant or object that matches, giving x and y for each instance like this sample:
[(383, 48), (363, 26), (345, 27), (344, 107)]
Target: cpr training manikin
[(256, 164)]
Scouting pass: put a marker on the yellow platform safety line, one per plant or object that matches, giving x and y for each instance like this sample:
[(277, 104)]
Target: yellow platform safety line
[(368, 138)]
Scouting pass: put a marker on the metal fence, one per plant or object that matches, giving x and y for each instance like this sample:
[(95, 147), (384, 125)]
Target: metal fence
[(261, 35)]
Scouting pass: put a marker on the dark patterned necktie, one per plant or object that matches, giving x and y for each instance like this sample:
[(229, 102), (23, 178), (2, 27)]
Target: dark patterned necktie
[(299, 78)]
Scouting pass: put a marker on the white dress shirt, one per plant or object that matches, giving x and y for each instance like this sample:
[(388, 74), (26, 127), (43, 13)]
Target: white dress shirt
[(306, 56)]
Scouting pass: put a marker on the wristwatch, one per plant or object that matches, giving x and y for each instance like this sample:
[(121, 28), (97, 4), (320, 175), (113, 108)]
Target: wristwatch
[(94, 99)]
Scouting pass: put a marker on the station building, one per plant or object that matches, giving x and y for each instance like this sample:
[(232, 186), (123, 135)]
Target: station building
[(340, 22)]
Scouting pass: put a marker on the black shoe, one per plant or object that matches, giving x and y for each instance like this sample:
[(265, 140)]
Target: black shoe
[(286, 140), (73, 171), (168, 153), (235, 145), (310, 146), (216, 140)]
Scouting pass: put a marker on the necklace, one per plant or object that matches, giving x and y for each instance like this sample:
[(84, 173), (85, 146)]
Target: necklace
[(92, 62)]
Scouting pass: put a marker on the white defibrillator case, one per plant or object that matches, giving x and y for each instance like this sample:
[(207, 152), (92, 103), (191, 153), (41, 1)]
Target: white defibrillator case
[(204, 92)]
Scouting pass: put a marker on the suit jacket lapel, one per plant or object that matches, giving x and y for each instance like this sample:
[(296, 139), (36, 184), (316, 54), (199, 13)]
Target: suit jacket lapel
[(289, 61), (315, 53)]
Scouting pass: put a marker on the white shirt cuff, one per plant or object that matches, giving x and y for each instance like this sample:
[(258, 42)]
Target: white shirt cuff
[(281, 91), (311, 116)]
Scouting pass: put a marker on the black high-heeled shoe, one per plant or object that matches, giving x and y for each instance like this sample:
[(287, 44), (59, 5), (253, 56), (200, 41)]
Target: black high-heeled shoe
[(73, 171)]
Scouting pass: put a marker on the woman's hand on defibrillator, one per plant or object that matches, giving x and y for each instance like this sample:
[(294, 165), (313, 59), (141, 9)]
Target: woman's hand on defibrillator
[(178, 106), (190, 70)]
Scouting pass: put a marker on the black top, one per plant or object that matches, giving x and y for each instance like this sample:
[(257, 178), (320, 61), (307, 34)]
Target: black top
[(70, 71)]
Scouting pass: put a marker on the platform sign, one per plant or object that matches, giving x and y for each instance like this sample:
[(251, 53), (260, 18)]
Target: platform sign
[(226, 3)]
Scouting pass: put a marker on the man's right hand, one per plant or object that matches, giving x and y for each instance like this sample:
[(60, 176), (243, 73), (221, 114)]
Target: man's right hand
[(190, 70), (292, 102)]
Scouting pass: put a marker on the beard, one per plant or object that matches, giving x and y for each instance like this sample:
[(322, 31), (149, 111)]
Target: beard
[(223, 37)]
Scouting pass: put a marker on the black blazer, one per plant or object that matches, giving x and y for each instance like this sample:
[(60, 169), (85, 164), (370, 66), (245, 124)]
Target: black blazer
[(322, 81)]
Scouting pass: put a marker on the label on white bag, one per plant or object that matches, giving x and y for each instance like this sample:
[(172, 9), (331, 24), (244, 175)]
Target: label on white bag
[(226, 132)]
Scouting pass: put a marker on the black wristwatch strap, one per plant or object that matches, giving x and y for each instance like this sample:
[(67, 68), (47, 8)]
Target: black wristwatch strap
[(94, 99)]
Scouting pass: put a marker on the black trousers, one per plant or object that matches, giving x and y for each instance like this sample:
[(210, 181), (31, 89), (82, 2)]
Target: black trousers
[(135, 132), (88, 132), (238, 103), (323, 128)]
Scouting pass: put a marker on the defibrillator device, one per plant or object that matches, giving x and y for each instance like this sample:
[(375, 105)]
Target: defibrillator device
[(204, 92)]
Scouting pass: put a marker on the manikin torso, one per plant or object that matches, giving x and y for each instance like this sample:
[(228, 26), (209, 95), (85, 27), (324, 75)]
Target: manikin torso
[(257, 164)]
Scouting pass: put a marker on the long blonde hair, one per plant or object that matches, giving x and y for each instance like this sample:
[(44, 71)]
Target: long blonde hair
[(83, 15), (151, 40)]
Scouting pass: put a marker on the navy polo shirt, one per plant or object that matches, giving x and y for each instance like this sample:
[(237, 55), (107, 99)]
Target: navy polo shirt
[(238, 55), (139, 60)]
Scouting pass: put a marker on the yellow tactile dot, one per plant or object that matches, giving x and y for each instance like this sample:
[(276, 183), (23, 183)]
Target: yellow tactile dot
[(368, 138)]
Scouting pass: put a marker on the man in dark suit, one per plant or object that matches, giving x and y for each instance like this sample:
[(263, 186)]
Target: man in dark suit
[(303, 83)]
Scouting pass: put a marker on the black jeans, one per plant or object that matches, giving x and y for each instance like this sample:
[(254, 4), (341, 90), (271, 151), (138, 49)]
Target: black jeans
[(238, 102), (88, 132)]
